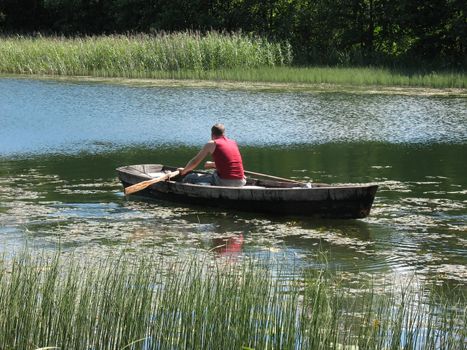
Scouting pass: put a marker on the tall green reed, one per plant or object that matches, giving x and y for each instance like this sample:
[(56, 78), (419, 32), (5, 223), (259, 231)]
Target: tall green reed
[(123, 303), (192, 55), (138, 55)]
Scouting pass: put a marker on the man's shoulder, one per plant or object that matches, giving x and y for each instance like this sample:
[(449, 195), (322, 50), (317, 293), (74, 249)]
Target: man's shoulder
[(210, 146)]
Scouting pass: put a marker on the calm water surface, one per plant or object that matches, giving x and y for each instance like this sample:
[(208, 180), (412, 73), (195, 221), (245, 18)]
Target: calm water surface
[(60, 143)]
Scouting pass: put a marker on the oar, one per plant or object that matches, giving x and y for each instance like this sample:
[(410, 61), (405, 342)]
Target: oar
[(272, 177), (142, 185)]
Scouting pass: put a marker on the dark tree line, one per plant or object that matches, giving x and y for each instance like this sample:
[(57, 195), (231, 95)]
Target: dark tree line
[(429, 33)]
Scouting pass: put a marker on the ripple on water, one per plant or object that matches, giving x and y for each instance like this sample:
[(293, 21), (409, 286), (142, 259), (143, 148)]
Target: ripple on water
[(393, 186), (447, 271), (169, 229), (81, 113), (417, 222)]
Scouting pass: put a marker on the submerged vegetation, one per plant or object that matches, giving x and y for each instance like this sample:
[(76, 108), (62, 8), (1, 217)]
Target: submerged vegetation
[(199, 304), (190, 55)]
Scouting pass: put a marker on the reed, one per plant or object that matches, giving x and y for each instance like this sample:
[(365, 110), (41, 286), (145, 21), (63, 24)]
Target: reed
[(197, 304), (138, 55), (191, 55)]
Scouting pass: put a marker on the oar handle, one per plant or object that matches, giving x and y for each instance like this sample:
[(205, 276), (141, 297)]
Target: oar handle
[(272, 177), (142, 185)]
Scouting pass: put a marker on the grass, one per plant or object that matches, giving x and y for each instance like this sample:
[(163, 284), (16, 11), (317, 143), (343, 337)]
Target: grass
[(120, 303), (344, 76), (190, 55)]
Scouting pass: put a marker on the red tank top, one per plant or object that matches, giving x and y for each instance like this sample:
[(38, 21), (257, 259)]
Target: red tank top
[(228, 160)]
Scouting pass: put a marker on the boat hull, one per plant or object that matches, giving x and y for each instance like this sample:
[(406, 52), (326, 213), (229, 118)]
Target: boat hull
[(352, 201)]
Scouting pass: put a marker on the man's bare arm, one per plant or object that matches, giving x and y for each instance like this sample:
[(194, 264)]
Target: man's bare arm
[(193, 163)]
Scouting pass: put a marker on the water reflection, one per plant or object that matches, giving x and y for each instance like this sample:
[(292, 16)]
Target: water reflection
[(69, 117), (58, 185), (230, 247), (417, 224)]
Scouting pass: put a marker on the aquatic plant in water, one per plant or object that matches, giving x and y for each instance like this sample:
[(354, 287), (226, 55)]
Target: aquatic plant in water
[(127, 303), (138, 55), (192, 55)]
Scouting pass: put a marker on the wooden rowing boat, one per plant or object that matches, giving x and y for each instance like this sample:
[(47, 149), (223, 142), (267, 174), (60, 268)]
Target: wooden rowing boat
[(259, 195)]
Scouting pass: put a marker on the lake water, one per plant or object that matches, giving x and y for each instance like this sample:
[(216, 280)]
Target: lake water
[(60, 143)]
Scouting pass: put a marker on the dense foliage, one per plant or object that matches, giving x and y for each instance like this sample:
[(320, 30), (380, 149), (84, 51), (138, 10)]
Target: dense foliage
[(347, 32)]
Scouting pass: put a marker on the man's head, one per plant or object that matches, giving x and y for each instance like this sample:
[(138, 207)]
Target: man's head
[(217, 130)]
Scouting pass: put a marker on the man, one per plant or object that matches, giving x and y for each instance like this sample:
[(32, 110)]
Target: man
[(227, 162)]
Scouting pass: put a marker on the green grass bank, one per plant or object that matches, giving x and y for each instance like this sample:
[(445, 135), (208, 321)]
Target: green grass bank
[(120, 303), (190, 55)]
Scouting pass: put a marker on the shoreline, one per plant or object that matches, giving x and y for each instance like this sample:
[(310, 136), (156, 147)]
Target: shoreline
[(251, 85)]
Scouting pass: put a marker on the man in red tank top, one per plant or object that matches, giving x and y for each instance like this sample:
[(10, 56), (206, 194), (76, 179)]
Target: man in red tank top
[(227, 161)]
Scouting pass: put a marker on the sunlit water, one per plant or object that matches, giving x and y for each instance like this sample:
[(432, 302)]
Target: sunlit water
[(60, 143)]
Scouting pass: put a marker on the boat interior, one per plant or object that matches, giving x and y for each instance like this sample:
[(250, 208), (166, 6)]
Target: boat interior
[(157, 170)]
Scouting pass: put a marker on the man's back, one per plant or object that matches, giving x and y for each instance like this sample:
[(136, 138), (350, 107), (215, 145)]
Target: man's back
[(228, 160)]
